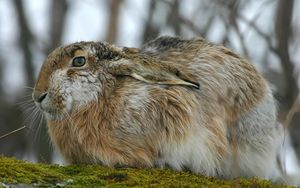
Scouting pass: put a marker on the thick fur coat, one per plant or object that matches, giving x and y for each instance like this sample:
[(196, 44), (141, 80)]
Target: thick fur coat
[(183, 104)]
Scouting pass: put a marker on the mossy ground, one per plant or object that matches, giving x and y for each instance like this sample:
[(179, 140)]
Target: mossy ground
[(14, 171)]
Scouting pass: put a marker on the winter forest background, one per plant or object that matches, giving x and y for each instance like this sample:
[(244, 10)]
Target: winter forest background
[(267, 32)]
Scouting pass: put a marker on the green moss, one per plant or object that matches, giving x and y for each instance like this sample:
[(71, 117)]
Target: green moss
[(14, 171)]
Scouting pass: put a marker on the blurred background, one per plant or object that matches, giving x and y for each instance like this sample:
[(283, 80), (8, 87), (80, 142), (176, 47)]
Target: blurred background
[(267, 32)]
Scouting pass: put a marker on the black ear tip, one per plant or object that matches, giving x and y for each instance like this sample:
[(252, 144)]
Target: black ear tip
[(193, 84), (196, 85)]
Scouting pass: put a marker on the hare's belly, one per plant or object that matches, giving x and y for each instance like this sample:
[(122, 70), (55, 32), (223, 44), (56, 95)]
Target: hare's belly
[(195, 153)]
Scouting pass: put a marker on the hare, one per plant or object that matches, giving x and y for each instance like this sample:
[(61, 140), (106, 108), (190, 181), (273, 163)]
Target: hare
[(176, 103)]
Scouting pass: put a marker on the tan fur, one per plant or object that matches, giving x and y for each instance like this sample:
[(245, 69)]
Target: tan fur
[(151, 100)]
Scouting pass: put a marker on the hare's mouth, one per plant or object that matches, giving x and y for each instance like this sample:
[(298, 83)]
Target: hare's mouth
[(52, 111), (55, 114)]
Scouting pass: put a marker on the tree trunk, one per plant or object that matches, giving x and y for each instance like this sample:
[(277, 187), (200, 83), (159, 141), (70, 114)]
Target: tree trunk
[(26, 38), (58, 14), (150, 30), (112, 29), (283, 33)]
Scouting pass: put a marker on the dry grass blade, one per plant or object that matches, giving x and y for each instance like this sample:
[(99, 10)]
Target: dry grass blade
[(12, 132)]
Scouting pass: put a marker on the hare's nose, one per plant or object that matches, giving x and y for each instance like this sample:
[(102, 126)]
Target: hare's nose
[(39, 96)]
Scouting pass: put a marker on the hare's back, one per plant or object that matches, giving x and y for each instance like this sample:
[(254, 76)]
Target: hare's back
[(222, 74)]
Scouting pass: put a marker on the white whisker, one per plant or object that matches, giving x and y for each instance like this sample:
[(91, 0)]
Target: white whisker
[(39, 127)]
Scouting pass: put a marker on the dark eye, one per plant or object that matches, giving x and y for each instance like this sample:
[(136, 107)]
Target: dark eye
[(78, 61)]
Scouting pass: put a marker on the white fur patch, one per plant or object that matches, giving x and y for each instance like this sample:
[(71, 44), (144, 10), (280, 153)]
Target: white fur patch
[(192, 153), (75, 92)]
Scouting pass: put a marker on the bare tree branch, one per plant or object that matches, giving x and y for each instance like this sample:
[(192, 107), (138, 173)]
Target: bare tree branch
[(181, 20), (150, 30), (173, 17), (112, 29), (265, 36), (283, 31), (283, 28), (26, 37), (58, 11)]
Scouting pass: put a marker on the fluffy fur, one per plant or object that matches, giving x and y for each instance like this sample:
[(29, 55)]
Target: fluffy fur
[(184, 104)]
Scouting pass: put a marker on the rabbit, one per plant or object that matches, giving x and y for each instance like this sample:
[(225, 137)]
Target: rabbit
[(185, 104)]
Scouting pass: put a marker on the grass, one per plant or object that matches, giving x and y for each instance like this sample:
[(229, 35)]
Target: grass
[(13, 171)]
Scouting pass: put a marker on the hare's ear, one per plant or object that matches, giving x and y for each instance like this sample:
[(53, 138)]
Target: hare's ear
[(151, 72)]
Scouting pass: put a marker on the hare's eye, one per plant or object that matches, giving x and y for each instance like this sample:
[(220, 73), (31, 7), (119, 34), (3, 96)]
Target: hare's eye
[(78, 61)]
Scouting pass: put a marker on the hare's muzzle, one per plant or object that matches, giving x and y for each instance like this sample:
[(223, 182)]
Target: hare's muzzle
[(41, 99), (39, 96)]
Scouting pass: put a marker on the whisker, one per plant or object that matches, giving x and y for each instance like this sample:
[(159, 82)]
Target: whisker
[(25, 100), (28, 87), (28, 114), (33, 118), (31, 112), (24, 106), (29, 95), (40, 119)]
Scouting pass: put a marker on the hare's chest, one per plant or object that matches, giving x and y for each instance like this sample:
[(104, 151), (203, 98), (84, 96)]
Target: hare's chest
[(68, 144)]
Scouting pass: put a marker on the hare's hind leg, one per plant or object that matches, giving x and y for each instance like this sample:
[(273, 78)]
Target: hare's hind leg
[(259, 138)]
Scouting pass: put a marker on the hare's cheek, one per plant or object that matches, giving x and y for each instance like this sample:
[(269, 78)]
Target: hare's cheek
[(60, 91), (85, 89), (58, 102), (77, 88)]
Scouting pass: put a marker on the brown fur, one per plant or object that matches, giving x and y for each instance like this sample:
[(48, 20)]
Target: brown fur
[(229, 87)]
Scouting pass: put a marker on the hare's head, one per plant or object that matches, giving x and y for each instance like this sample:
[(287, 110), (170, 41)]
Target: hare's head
[(78, 74)]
